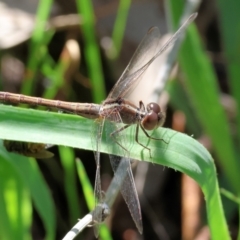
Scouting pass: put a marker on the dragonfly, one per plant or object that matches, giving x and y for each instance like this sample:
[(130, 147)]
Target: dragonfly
[(28, 149), (116, 110)]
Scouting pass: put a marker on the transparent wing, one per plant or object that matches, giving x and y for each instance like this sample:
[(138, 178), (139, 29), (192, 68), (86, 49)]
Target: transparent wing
[(96, 143), (145, 52), (142, 59), (127, 188), (114, 188)]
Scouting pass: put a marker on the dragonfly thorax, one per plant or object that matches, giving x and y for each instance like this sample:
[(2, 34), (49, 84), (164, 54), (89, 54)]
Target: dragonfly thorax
[(150, 117)]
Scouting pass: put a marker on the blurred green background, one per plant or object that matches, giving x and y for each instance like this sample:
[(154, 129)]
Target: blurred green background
[(75, 51)]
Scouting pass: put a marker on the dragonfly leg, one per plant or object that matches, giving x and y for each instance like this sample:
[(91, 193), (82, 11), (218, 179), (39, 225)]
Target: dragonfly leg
[(153, 138), (112, 135), (136, 139)]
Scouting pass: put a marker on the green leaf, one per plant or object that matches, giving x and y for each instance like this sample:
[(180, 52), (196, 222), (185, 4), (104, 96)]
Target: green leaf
[(67, 159), (91, 49), (38, 41), (181, 152), (25, 170), (229, 26), (15, 202)]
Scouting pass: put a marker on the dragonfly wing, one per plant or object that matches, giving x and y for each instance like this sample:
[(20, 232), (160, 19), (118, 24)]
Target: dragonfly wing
[(96, 142), (143, 57), (145, 51), (116, 138), (128, 191)]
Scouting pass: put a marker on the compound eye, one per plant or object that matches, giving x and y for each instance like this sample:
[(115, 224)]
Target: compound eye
[(150, 121), (153, 107)]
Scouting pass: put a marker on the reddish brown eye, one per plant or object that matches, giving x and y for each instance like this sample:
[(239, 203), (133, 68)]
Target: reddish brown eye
[(150, 121), (153, 107)]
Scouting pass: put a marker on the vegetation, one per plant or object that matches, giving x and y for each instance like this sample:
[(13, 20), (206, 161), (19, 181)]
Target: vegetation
[(24, 189)]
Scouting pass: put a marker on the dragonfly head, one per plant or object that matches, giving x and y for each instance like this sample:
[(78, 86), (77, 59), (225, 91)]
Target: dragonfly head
[(154, 117)]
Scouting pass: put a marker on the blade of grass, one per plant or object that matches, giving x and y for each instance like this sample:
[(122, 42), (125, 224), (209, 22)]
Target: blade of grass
[(70, 182), (91, 49), (119, 28), (15, 204), (202, 87), (230, 32), (181, 152), (36, 42), (104, 232), (29, 173), (86, 185), (58, 73), (56, 77), (6, 231), (176, 91), (230, 195)]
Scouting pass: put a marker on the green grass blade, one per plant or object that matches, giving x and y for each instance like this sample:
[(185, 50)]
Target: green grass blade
[(201, 84), (104, 232), (36, 42), (200, 76), (230, 195), (86, 185), (176, 91), (91, 50), (29, 173), (230, 31), (70, 182), (15, 203), (181, 152), (119, 27), (41, 196)]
